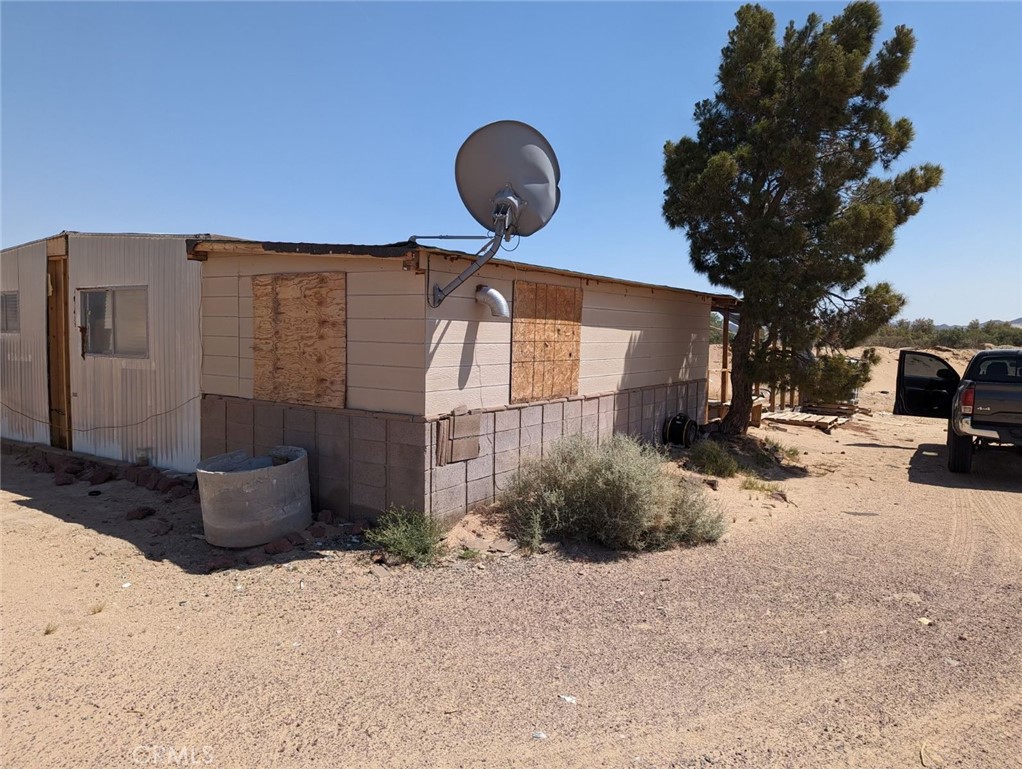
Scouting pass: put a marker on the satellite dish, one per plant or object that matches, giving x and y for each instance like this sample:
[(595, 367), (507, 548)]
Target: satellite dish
[(509, 160), (507, 176)]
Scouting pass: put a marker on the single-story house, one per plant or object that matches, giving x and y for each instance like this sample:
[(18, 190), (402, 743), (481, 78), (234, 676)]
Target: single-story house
[(175, 348)]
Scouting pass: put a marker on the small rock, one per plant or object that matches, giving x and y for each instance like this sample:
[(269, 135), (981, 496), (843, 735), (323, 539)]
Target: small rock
[(278, 546), (295, 538), (179, 492), (160, 527), (538, 736), (219, 562), (318, 530), (379, 571), (126, 585), (101, 475), (138, 513), (142, 479), (925, 621), (504, 546), (63, 479), (257, 558), (475, 543), (325, 516), (332, 532), (155, 478), (131, 473), (569, 699), (952, 662), (390, 559), (713, 483), (481, 567)]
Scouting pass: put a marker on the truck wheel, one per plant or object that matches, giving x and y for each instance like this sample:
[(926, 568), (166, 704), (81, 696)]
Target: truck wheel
[(959, 452)]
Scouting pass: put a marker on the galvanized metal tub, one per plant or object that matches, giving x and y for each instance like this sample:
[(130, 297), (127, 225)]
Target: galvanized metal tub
[(248, 501)]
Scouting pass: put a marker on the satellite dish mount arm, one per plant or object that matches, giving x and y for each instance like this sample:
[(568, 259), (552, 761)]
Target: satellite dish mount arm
[(507, 206)]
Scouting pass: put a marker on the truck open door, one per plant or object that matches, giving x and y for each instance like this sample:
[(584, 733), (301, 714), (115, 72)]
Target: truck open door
[(925, 386)]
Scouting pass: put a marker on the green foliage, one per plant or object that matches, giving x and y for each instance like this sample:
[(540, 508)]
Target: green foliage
[(776, 191), (711, 457), (779, 450), (923, 333), (717, 328), (755, 484), (835, 378), (408, 534), (615, 494)]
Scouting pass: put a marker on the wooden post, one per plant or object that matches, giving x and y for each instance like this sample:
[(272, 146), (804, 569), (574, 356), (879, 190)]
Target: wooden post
[(725, 369)]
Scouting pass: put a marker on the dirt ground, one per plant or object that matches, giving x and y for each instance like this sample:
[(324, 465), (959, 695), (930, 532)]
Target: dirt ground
[(873, 620)]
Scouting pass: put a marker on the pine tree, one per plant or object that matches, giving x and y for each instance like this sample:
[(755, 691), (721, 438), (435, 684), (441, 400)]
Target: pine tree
[(777, 194)]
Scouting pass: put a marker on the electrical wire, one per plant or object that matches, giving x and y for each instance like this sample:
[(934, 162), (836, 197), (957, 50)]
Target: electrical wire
[(106, 427)]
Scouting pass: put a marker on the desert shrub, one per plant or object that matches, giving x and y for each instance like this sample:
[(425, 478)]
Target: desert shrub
[(755, 484), (779, 450), (615, 494), (408, 534), (712, 458)]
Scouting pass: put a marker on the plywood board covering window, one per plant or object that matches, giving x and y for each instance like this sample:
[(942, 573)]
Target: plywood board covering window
[(299, 340), (545, 341)]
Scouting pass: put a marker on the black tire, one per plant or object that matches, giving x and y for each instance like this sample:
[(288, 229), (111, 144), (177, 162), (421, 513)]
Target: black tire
[(959, 452)]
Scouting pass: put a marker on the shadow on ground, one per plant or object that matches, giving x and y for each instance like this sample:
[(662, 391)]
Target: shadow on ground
[(993, 469), (172, 533)]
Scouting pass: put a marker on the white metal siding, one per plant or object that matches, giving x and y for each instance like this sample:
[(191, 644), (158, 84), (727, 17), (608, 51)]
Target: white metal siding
[(124, 407), (23, 378)]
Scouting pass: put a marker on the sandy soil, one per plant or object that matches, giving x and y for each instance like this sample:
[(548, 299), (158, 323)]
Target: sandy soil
[(795, 642)]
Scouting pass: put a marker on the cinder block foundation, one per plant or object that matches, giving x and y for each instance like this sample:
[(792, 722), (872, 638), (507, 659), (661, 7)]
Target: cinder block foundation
[(362, 462)]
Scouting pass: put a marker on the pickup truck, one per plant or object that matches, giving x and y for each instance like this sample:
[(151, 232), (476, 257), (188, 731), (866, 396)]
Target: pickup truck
[(984, 406)]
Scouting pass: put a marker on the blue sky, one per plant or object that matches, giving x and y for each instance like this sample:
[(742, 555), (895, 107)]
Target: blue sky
[(340, 122)]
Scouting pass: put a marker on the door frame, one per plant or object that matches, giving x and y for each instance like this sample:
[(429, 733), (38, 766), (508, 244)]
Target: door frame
[(58, 351)]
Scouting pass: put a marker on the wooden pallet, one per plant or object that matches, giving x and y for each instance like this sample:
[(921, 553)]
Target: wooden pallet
[(798, 418)]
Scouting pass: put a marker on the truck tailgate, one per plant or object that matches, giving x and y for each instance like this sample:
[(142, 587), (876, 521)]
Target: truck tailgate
[(998, 403)]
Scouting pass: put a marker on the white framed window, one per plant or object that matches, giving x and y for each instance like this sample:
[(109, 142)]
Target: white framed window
[(10, 312), (115, 321)]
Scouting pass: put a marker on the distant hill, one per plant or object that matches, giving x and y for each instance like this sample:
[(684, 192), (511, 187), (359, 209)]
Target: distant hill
[(1017, 323)]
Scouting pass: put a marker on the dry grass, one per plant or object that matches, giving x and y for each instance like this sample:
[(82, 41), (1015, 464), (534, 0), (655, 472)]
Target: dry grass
[(97, 607), (755, 484), (50, 629)]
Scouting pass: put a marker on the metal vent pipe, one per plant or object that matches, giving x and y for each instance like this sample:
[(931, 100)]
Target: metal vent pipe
[(493, 299)]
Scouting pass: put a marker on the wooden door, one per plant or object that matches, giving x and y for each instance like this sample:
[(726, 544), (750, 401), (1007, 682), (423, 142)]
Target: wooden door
[(58, 352)]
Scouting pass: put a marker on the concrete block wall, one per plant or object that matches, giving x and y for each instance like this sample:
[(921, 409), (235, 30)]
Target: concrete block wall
[(362, 462), (359, 462), (513, 434)]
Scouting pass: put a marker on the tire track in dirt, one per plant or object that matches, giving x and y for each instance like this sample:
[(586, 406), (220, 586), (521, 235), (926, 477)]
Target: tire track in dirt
[(962, 543), (1001, 511)]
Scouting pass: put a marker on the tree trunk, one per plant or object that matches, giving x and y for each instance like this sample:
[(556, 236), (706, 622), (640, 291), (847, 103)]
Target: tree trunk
[(736, 422)]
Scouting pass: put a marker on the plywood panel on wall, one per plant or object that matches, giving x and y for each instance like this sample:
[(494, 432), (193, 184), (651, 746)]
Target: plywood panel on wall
[(545, 341), (299, 340)]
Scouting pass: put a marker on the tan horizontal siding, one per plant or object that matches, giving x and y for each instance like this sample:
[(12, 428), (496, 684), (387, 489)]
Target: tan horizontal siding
[(471, 376), (642, 337), (385, 326), (406, 379), (393, 354), (456, 354), (382, 306), (444, 401)]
